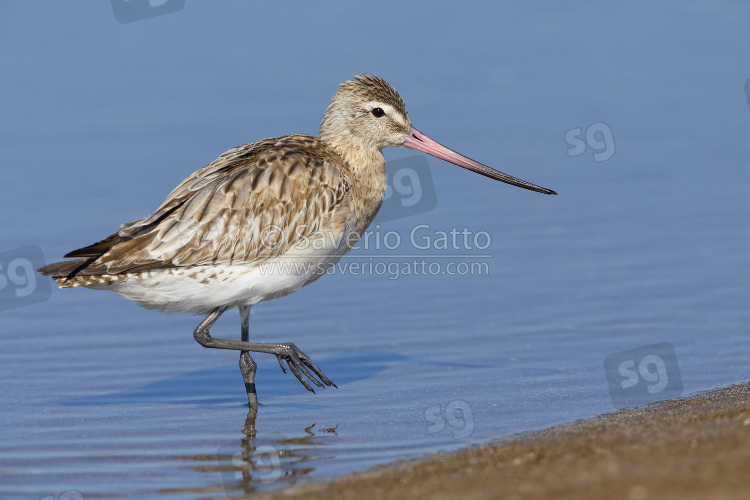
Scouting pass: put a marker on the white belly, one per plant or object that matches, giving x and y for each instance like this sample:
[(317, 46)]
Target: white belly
[(200, 289)]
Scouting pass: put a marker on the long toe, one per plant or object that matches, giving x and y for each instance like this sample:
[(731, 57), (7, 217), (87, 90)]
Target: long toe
[(301, 366)]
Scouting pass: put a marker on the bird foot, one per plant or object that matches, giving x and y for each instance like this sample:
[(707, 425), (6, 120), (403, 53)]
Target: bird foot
[(299, 362)]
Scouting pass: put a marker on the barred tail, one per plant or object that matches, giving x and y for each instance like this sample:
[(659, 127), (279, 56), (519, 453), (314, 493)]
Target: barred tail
[(62, 272)]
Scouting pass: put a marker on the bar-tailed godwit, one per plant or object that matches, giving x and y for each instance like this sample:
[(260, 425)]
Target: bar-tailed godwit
[(213, 243)]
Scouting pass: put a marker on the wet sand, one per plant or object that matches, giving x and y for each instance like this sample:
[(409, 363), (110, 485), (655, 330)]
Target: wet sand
[(697, 447)]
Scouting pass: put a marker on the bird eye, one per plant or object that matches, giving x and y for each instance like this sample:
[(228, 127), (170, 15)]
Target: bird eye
[(377, 112)]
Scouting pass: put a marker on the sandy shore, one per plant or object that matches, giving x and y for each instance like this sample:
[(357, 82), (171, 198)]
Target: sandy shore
[(695, 448)]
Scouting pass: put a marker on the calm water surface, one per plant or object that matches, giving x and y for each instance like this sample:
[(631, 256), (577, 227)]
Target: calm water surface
[(101, 398)]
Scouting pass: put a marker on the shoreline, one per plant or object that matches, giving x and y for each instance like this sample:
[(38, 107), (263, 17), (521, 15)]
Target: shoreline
[(693, 447)]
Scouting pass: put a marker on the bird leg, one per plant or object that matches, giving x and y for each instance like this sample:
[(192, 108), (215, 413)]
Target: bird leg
[(297, 361), (247, 365)]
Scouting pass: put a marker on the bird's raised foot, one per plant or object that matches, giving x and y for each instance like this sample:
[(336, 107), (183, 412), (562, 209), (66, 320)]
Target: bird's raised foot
[(299, 362)]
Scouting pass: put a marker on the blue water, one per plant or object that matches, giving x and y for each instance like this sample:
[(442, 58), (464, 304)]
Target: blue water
[(100, 120)]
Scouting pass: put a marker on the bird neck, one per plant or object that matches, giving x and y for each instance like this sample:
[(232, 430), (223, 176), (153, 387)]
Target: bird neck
[(366, 166), (362, 160)]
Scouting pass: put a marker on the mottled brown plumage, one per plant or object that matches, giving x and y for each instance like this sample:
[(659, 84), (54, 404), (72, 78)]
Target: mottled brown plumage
[(222, 212), (296, 198), (218, 214)]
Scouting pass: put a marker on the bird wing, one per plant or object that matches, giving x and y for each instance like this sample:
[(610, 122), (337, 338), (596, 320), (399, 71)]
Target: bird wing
[(252, 203)]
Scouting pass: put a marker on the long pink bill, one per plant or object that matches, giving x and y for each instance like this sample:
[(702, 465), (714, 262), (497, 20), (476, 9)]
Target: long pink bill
[(417, 140)]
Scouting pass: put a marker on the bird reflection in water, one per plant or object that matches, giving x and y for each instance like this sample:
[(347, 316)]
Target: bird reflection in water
[(266, 462)]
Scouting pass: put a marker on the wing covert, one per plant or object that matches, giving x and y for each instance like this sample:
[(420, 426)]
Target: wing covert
[(251, 204)]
